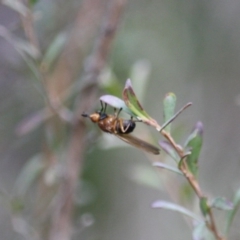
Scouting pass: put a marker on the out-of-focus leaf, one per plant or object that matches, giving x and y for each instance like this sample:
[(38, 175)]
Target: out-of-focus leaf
[(32, 122), (167, 167), (17, 6), (232, 213), (28, 175), (17, 205), (139, 75), (204, 206), (53, 51), (26, 57), (194, 144), (176, 208), (109, 82), (201, 232), (26, 47), (32, 2), (167, 147), (169, 104), (116, 102), (134, 105), (85, 193), (22, 47), (145, 176), (221, 203), (186, 194)]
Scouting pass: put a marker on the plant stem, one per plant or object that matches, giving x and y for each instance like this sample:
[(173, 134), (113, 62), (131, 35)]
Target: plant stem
[(210, 223)]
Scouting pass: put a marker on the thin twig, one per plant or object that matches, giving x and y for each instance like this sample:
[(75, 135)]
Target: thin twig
[(188, 175), (193, 182), (63, 212), (175, 116)]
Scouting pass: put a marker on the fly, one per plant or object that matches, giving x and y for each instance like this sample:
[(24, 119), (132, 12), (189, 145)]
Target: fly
[(121, 128)]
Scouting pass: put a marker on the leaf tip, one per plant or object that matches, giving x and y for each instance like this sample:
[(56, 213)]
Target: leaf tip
[(199, 128), (128, 83)]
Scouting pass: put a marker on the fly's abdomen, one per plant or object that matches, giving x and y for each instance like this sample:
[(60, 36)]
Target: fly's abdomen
[(125, 126)]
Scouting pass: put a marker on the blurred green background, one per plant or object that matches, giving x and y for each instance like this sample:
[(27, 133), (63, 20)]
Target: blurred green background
[(193, 50)]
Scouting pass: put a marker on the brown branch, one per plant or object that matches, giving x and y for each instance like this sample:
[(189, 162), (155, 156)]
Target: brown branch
[(183, 167), (61, 224), (194, 183)]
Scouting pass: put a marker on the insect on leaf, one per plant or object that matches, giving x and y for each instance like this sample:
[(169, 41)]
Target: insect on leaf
[(116, 102)]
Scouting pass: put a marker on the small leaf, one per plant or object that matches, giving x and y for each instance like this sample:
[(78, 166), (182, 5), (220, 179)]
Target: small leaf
[(201, 232), (194, 143), (32, 2), (167, 167), (17, 205), (175, 207), (145, 176), (32, 122), (169, 104), (140, 72), (186, 194), (16, 43), (17, 6), (232, 213), (167, 147), (53, 51), (29, 173), (134, 105), (116, 102), (109, 82), (221, 203), (204, 206)]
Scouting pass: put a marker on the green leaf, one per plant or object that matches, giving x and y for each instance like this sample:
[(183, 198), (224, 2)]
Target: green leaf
[(176, 208), (169, 104), (232, 213), (132, 102), (134, 105), (204, 206), (221, 203), (194, 144)]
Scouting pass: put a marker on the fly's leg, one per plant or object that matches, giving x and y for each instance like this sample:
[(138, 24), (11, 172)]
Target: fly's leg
[(103, 107)]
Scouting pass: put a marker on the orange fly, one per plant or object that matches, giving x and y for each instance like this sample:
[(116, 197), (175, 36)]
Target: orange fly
[(121, 128)]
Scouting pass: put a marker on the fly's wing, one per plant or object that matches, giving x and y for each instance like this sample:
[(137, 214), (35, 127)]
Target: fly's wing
[(136, 142)]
